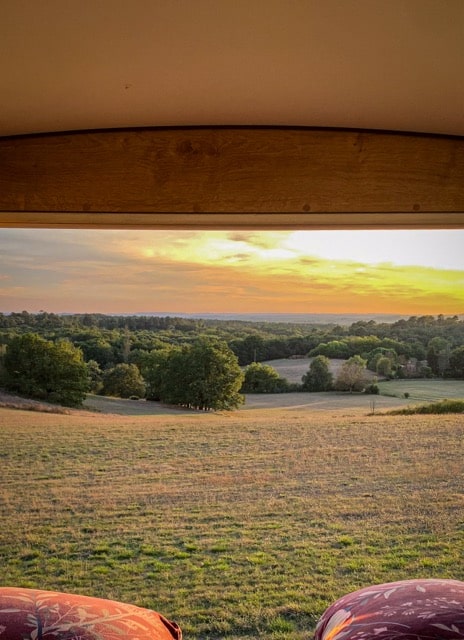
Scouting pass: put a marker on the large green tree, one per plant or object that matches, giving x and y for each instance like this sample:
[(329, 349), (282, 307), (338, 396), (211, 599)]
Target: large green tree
[(262, 378), (154, 366), (318, 377), (123, 380), (202, 375), (456, 362), (44, 370)]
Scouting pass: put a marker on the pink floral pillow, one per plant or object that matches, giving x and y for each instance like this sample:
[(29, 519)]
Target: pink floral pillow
[(407, 610), (29, 614)]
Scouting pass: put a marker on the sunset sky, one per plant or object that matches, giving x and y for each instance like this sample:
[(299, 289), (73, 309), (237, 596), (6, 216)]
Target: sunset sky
[(372, 272)]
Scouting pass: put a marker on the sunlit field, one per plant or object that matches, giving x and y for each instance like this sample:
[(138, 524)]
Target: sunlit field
[(237, 525)]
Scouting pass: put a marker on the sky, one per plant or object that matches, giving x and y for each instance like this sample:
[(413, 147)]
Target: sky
[(418, 272)]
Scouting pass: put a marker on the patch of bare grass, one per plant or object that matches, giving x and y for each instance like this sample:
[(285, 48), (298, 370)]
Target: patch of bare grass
[(236, 525), (8, 401)]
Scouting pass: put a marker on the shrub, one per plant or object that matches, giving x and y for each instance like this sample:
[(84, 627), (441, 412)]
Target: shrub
[(443, 406)]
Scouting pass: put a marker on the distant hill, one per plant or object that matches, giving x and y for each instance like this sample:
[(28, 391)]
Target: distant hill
[(293, 318)]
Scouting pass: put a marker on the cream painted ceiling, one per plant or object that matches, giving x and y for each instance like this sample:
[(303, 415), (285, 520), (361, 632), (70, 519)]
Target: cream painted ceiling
[(86, 64)]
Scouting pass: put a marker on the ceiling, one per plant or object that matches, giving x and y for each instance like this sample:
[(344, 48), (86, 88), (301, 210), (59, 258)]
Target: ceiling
[(90, 64)]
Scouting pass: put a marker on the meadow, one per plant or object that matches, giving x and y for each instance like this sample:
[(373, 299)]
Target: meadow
[(423, 390), (236, 525)]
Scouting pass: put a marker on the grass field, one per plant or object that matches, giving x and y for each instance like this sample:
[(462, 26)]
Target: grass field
[(237, 525), (419, 389), (294, 370), (286, 401), (423, 390)]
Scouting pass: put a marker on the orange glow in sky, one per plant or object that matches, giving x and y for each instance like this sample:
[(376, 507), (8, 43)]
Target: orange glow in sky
[(372, 272)]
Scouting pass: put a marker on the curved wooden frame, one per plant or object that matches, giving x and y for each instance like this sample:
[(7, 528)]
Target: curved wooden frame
[(232, 177)]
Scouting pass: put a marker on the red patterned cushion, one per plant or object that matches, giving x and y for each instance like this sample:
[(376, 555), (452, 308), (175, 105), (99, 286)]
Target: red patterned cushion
[(29, 614), (407, 610)]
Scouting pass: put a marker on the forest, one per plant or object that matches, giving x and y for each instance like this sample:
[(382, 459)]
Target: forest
[(142, 355)]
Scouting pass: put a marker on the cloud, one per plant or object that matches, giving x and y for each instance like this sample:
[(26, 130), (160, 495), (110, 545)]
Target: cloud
[(120, 271), (268, 240)]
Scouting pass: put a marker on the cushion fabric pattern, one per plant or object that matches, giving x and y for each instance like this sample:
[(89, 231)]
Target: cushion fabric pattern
[(30, 614), (407, 610)]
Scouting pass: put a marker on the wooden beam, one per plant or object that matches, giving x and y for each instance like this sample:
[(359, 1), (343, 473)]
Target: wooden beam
[(225, 221), (232, 178)]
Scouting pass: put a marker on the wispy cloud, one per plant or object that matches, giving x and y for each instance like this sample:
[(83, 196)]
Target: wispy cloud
[(123, 272)]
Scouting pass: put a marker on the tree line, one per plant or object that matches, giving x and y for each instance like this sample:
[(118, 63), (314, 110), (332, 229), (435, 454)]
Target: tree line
[(203, 375), (108, 339), (209, 364)]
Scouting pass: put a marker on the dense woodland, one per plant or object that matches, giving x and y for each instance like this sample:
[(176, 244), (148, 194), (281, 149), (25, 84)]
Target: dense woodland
[(142, 348), (111, 340)]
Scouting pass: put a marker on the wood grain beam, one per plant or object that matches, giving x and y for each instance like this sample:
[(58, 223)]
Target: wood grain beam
[(232, 178)]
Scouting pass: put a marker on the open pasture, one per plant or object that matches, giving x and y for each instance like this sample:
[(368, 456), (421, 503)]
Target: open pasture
[(237, 525), (294, 369), (419, 389), (423, 390)]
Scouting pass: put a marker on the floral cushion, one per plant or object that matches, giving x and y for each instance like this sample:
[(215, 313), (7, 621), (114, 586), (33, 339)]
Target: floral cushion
[(407, 610), (29, 614)]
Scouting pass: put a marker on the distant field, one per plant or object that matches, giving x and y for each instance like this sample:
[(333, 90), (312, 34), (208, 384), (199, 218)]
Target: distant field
[(420, 390), (239, 525), (289, 401), (326, 401), (392, 395), (423, 390), (294, 370)]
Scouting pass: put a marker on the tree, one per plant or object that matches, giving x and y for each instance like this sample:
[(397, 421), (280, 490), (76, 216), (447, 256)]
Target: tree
[(456, 362), (45, 370), (438, 352), (384, 366), (123, 380), (249, 349), (332, 349), (318, 377), (139, 357), (154, 367), (98, 349), (95, 376), (382, 360), (202, 375), (352, 375), (262, 378)]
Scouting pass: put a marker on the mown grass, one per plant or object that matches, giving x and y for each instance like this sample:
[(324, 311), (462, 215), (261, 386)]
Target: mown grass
[(236, 526), (423, 390)]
